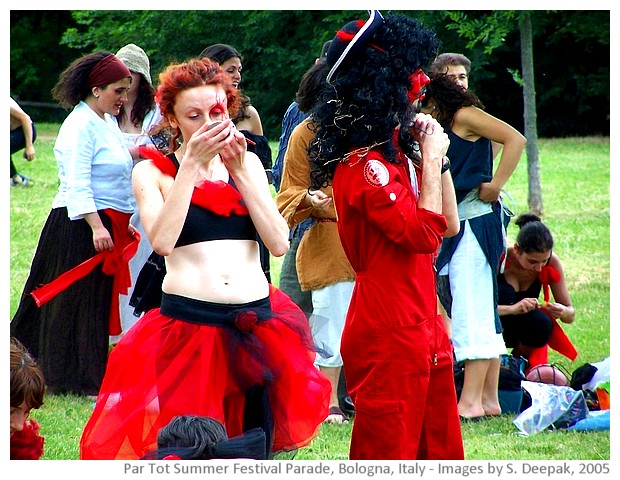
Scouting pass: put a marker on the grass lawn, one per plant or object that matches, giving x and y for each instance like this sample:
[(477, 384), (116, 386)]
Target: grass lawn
[(575, 177)]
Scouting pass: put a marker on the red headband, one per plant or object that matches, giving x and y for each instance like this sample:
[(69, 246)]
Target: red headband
[(110, 69)]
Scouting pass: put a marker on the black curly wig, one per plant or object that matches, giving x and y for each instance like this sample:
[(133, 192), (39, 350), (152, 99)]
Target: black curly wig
[(367, 99)]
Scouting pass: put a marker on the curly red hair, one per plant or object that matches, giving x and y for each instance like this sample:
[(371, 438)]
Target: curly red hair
[(196, 72)]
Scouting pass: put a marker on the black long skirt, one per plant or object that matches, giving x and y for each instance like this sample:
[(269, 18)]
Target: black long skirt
[(68, 335)]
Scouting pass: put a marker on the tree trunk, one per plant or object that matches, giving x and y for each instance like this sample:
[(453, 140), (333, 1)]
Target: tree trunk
[(529, 115)]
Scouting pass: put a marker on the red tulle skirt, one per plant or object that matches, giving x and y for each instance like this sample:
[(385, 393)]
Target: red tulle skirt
[(256, 371)]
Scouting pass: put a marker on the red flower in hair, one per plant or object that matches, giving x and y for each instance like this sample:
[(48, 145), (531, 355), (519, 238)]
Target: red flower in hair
[(171, 457)]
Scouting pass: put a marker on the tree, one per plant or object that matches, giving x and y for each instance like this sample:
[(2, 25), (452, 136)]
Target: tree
[(534, 199), (572, 76), (491, 30)]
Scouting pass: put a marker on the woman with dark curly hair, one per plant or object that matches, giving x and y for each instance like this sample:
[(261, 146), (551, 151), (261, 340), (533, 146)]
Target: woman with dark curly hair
[(391, 189), (468, 263), (86, 243)]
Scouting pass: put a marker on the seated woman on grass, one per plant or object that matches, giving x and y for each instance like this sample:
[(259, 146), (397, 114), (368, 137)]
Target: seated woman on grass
[(531, 265)]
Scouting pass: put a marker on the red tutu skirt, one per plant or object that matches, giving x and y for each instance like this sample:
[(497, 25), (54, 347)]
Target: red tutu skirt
[(247, 366)]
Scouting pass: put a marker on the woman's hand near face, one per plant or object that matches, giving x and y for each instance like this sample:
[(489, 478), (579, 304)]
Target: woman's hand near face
[(208, 141), (233, 154)]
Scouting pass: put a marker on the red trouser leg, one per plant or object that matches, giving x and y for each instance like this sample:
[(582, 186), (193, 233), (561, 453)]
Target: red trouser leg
[(441, 433), (401, 397)]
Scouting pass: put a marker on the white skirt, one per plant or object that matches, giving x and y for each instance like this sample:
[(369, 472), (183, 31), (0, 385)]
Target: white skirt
[(473, 308)]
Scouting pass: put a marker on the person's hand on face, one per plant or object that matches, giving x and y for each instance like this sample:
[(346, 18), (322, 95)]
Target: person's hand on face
[(210, 140), (233, 155), (201, 115), (434, 142)]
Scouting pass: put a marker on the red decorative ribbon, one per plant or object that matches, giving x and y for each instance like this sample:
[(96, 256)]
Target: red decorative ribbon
[(115, 262), (558, 340), (218, 197)]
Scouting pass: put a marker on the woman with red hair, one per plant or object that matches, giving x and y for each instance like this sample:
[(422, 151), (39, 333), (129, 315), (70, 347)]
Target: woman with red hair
[(224, 343)]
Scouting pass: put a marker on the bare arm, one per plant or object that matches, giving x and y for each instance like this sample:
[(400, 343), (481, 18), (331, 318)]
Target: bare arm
[(247, 170), (561, 307), (164, 202), (448, 205), (26, 123), (473, 123)]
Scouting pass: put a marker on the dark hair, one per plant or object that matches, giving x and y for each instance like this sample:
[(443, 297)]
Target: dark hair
[(445, 60), (449, 98), (534, 236), (220, 52), (196, 433), (27, 382), (72, 86), (196, 437), (368, 98), (145, 101), (312, 83)]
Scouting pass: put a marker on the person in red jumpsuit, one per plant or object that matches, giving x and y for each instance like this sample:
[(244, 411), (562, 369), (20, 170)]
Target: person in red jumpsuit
[(395, 202)]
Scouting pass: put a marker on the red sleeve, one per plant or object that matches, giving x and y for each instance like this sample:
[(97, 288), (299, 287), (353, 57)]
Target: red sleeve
[(382, 193)]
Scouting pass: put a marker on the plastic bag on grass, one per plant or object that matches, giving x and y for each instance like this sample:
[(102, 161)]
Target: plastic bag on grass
[(552, 407)]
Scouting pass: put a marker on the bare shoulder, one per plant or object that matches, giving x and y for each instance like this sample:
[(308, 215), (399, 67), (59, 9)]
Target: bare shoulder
[(555, 262), (252, 123), (145, 169)]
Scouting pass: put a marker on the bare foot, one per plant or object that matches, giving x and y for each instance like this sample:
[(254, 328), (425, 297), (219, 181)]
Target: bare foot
[(336, 416), (492, 410)]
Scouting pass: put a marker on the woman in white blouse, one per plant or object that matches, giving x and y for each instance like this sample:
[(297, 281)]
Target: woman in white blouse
[(81, 259)]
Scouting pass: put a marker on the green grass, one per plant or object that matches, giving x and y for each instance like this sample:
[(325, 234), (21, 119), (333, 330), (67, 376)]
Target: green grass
[(575, 177)]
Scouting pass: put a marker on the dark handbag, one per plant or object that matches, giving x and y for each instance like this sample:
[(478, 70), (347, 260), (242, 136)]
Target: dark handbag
[(147, 292)]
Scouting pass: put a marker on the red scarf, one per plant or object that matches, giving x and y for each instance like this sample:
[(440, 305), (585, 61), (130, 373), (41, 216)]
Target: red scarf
[(27, 444), (115, 262), (558, 340), (218, 197)]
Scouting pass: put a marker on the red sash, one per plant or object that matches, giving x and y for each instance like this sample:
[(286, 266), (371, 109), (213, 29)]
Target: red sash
[(558, 340), (115, 263)]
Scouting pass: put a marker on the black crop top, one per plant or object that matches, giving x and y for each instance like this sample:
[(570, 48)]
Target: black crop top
[(202, 225)]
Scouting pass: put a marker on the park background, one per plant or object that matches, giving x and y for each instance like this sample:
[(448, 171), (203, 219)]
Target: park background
[(571, 55), (572, 73)]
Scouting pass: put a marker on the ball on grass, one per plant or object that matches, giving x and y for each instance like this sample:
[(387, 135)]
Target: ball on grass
[(547, 374)]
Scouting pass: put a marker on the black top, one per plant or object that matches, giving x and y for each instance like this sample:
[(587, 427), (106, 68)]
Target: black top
[(202, 225)]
